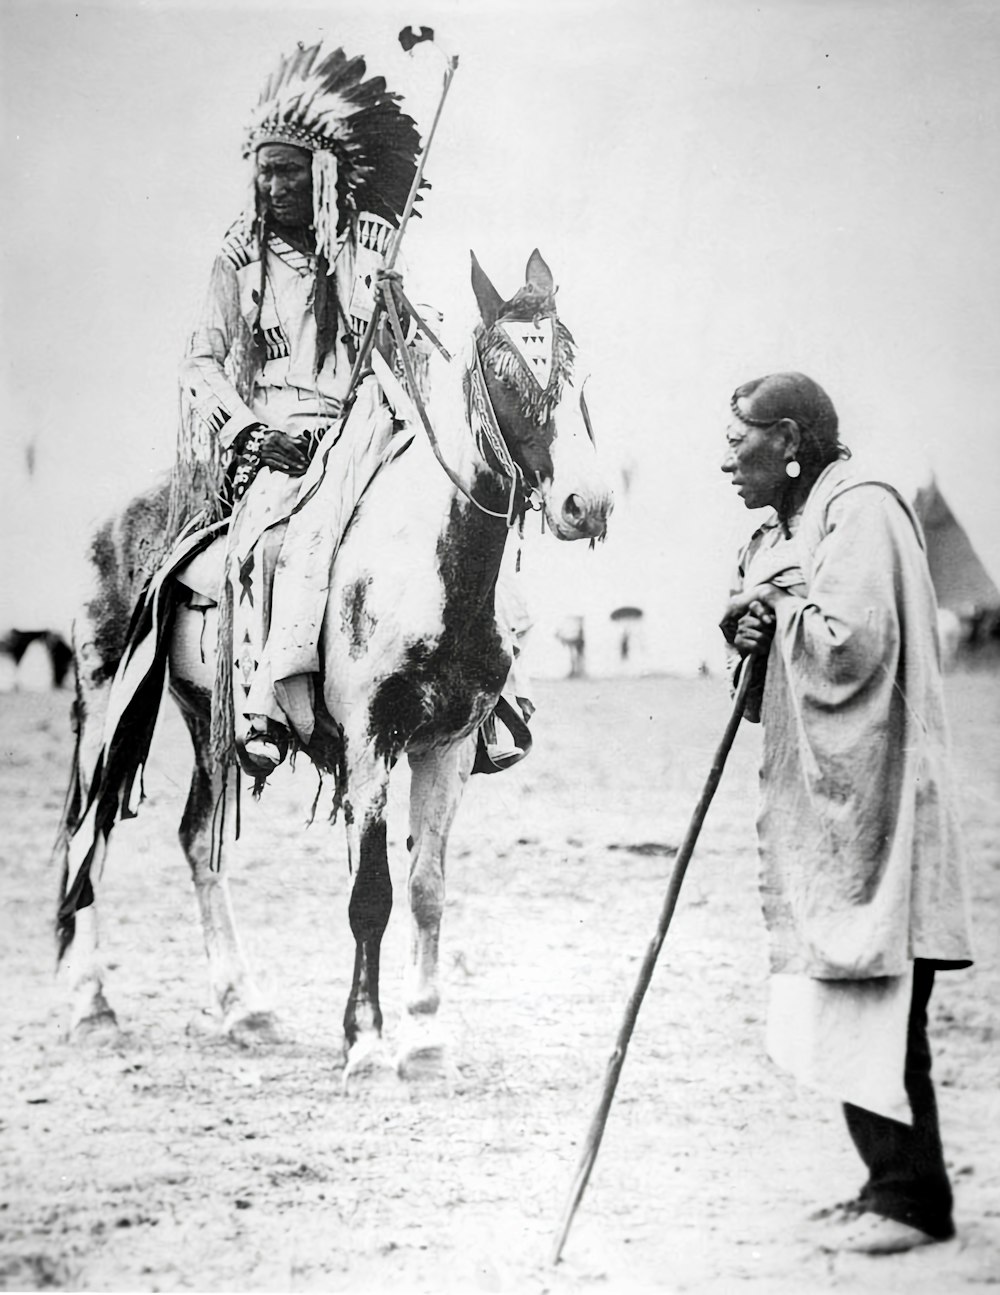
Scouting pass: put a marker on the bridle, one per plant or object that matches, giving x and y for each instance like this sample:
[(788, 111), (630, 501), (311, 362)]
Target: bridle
[(486, 433), (482, 419)]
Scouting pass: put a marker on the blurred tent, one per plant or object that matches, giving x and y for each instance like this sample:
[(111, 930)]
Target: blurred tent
[(961, 580), (965, 587)]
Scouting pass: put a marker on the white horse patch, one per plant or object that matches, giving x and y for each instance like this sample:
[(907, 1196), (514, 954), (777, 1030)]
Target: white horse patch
[(533, 342)]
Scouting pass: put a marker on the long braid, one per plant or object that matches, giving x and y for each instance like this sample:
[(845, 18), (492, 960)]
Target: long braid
[(325, 312)]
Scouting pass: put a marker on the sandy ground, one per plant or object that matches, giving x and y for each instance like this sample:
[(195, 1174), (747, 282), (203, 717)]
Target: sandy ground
[(175, 1161)]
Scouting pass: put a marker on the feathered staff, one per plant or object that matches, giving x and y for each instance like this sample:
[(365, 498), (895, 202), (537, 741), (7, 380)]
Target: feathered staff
[(408, 39)]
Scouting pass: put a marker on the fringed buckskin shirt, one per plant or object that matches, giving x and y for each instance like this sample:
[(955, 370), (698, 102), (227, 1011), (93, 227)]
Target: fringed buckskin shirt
[(860, 859), (227, 387)]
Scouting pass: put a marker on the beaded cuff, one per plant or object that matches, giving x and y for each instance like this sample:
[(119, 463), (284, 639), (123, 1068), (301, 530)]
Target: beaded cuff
[(248, 462)]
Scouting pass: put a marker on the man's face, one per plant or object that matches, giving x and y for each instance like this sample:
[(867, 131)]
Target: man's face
[(756, 462), (284, 184)]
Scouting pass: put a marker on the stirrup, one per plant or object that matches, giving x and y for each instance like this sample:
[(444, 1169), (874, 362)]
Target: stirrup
[(492, 756)]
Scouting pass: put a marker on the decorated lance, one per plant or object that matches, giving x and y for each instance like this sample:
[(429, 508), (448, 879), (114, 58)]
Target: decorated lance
[(408, 38), (617, 1058)]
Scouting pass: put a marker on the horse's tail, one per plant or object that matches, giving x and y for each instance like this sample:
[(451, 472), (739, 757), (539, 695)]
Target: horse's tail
[(120, 650), (65, 922), (101, 786)]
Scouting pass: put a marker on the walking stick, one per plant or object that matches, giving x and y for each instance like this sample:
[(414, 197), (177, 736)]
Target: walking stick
[(617, 1058)]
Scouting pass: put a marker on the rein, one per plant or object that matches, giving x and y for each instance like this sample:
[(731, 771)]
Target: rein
[(483, 405), (486, 427)]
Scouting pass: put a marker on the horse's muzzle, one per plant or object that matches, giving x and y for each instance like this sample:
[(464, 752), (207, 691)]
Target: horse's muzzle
[(582, 516)]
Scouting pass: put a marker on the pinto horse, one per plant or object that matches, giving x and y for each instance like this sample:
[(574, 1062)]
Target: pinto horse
[(413, 662)]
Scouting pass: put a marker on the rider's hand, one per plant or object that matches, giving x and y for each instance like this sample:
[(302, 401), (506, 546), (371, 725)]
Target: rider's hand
[(282, 454), (394, 280)]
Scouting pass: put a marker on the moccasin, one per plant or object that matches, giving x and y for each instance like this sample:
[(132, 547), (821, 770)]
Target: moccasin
[(874, 1234), (262, 755), (841, 1212)]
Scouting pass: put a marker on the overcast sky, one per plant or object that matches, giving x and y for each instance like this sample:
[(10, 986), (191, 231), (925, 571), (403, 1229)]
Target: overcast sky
[(722, 189)]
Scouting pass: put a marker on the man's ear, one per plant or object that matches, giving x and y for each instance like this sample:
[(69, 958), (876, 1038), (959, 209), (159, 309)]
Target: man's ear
[(790, 437)]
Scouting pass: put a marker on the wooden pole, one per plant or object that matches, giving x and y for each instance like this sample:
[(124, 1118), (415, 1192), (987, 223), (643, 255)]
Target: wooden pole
[(366, 341), (617, 1058)]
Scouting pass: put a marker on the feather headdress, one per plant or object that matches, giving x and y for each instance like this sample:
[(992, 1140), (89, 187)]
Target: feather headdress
[(364, 147)]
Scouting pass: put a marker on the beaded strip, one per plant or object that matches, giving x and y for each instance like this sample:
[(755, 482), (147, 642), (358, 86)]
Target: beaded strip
[(283, 133), (248, 464)]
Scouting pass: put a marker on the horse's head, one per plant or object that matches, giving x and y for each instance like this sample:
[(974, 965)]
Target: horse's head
[(525, 408)]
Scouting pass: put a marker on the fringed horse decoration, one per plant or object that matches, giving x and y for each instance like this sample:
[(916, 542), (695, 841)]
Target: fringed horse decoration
[(414, 661)]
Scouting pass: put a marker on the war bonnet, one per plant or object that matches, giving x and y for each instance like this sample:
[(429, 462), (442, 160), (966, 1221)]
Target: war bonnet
[(364, 148)]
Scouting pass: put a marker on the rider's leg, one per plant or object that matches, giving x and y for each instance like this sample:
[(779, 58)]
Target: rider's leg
[(260, 731)]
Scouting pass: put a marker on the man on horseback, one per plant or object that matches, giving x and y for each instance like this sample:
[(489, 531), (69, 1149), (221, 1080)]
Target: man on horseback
[(324, 563), (272, 373)]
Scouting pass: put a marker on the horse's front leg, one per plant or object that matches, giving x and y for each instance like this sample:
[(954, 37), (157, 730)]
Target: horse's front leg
[(237, 1006), (368, 910), (438, 779)]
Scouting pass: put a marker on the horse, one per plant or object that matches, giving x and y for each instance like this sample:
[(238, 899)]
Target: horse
[(413, 663)]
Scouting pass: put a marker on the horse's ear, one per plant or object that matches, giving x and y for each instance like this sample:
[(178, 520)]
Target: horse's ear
[(539, 275), (487, 296)]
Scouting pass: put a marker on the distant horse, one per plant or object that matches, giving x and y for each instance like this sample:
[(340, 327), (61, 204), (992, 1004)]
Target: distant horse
[(18, 646), (413, 662)]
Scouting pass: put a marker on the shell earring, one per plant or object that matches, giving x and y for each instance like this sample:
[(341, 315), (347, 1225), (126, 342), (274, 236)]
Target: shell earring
[(793, 468)]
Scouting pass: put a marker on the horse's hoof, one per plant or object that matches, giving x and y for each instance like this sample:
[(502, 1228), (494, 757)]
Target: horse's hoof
[(423, 1057), (204, 1024), (259, 1029), (369, 1063), (98, 1029), (428, 1064)]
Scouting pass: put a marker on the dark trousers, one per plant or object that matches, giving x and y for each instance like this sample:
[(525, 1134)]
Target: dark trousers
[(907, 1180)]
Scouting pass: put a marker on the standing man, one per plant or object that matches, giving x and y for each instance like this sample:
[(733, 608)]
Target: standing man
[(861, 871)]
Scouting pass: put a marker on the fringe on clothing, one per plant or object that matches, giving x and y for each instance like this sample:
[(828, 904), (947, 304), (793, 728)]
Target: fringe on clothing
[(198, 482), (223, 737)]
